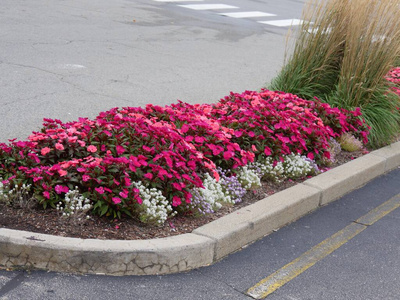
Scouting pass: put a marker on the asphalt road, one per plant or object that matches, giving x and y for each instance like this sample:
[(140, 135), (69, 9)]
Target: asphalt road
[(364, 267), (70, 59)]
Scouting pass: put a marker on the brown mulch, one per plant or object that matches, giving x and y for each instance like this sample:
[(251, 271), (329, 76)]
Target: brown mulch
[(49, 221)]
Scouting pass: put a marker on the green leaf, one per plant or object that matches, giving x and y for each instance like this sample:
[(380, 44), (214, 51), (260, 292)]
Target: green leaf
[(103, 210)]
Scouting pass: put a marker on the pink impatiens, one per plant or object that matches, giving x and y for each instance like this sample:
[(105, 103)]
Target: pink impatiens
[(169, 148)]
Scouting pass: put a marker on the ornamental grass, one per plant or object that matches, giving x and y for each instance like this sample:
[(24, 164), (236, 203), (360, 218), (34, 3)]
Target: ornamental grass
[(342, 53)]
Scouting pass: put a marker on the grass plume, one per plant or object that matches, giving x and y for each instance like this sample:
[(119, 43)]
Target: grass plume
[(342, 52)]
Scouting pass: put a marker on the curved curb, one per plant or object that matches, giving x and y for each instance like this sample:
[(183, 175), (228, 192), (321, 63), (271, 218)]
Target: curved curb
[(206, 244)]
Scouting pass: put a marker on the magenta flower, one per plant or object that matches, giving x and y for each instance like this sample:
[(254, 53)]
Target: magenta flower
[(100, 190), (124, 194), (228, 154), (120, 149), (116, 200), (61, 189), (176, 201)]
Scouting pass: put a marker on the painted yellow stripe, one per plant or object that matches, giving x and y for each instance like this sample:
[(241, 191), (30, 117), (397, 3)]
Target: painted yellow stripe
[(381, 211), (273, 282)]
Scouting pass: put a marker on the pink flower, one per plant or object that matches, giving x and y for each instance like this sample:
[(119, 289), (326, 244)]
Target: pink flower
[(45, 150), (148, 176), (100, 190), (267, 151), (148, 149), (127, 181), (85, 178), (91, 149), (177, 186), (124, 194), (81, 143), (120, 149), (61, 189), (228, 155), (116, 200), (199, 139), (176, 201), (62, 172), (46, 194), (59, 147), (238, 133)]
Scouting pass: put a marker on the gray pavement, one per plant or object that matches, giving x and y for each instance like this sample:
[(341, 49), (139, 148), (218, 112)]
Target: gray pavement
[(70, 59)]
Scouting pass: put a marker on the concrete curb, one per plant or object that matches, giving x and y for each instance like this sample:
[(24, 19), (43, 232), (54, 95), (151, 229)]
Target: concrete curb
[(203, 246)]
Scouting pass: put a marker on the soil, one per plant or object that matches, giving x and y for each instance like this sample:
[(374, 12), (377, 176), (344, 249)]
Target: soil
[(49, 221)]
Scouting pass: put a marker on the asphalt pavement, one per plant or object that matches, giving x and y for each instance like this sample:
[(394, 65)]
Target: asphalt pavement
[(70, 59)]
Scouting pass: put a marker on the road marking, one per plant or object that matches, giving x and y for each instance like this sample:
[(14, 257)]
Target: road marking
[(71, 66), (248, 14), (178, 0), (282, 276), (283, 23), (208, 6)]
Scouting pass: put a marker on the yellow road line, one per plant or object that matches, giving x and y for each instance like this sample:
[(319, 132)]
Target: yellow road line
[(274, 281)]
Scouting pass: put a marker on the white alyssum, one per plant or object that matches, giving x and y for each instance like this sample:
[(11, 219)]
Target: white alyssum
[(212, 193), (74, 205), (248, 178), (155, 208), (18, 195), (294, 166)]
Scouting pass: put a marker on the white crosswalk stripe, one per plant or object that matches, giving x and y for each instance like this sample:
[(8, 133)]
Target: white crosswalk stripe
[(283, 23), (247, 14), (178, 0), (208, 6), (237, 14)]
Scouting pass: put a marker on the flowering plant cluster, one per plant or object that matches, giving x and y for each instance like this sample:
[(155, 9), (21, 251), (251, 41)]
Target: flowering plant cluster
[(275, 123), (292, 166), (152, 162), (394, 77)]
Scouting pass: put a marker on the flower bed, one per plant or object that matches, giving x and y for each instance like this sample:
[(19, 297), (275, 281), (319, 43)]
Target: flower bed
[(154, 162)]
